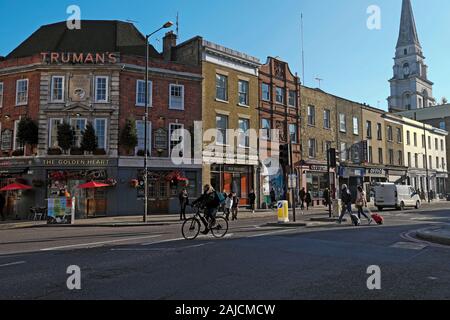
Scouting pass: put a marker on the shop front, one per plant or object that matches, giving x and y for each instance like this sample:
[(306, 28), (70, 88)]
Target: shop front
[(17, 202), (63, 178), (353, 177), (233, 178), (315, 179), (397, 176), (441, 184)]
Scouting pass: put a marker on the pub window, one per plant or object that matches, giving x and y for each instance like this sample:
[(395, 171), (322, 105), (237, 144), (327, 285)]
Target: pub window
[(16, 144), (101, 89), (22, 92), (140, 129), (78, 126), (175, 137), (140, 93), (176, 99), (57, 89), (100, 132), (1, 94), (53, 132)]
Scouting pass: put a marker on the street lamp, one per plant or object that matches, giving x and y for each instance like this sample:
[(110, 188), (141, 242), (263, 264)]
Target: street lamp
[(168, 24)]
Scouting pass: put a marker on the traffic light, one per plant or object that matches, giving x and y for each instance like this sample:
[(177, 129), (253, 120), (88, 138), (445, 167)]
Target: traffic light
[(284, 155), (332, 158)]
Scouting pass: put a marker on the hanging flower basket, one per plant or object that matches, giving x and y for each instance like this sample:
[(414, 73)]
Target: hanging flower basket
[(134, 183)]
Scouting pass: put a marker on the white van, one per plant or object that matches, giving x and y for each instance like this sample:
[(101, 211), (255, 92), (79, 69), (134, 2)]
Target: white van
[(390, 195)]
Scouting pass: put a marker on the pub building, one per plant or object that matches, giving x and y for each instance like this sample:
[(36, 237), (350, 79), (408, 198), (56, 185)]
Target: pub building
[(95, 76)]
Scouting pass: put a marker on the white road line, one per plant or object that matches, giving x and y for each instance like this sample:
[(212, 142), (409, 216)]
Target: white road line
[(12, 264), (270, 233), (99, 243), (162, 249), (162, 241)]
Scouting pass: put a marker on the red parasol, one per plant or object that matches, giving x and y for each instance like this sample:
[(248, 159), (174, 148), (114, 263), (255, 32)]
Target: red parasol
[(16, 186), (93, 185)]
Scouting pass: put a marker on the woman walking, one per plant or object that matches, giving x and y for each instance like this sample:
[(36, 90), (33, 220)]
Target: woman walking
[(252, 199), (228, 206), (361, 203), (308, 200)]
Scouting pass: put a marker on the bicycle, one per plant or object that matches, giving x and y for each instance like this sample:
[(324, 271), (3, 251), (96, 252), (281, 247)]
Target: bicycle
[(191, 227)]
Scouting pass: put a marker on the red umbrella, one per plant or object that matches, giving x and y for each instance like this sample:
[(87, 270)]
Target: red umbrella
[(16, 186), (93, 185)]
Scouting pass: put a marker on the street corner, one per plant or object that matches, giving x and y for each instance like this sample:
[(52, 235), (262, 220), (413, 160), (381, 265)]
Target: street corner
[(439, 235)]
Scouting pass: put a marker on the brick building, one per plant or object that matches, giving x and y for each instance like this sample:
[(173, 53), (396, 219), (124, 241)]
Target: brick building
[(279, 109), (95, 75)]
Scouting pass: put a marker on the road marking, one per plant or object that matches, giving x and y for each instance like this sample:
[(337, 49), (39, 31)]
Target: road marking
[(409, 246), (270, 233), (99, 243), (12, 264), (162, 249), (162, 241)]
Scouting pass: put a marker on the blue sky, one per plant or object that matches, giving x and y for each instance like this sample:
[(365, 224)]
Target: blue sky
[(354, 62)]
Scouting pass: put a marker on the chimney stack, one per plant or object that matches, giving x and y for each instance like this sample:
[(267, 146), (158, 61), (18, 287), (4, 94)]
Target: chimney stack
[(169, 41)]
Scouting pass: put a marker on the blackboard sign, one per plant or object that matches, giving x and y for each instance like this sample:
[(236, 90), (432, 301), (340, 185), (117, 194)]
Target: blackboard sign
[(7, 140), (161, 139)]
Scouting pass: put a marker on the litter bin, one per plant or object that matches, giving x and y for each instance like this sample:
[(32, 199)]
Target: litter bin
[(337, 207), (283, 212)]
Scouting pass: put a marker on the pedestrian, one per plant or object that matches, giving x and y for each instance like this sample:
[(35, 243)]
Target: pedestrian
[(228, 206), (252, 199), (361, 203), (235, 207), (273, 198), (326, 197), (184, 202), (346, 198), (302, 196), (308, 200), (2, 206)]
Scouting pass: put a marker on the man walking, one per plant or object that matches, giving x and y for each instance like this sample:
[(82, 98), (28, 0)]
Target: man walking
[(184, 201), (252, 199), (302, 196), (346, 198), (235, 207)]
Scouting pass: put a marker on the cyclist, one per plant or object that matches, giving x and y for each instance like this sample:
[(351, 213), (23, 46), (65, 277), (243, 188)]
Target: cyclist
[(210, 202)]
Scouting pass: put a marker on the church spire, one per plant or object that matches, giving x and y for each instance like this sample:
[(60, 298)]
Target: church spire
[(408, 32)]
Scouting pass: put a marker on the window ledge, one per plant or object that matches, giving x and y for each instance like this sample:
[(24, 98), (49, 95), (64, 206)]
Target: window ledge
[(176, 109), (222, 101), (243, 105), (21, 104)]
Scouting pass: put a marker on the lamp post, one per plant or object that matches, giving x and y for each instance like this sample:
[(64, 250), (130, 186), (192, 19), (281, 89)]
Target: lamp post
[(147, 37), (426, 162)]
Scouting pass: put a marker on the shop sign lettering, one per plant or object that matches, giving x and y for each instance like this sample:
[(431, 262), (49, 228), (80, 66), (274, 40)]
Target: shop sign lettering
[(75, 162)]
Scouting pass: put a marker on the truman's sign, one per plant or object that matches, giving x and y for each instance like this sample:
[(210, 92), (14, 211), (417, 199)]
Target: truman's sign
[(80, 58)]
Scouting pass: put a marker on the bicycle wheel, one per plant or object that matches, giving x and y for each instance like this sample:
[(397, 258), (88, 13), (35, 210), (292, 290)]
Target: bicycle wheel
[(190, 229), (220, 227)]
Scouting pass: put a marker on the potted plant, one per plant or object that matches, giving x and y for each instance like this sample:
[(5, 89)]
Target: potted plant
[(28, 132), (65, 136), (100, 152), (18, 153), (54, 151), (128, 137), (134, 183), (89, 140), (76, 151)]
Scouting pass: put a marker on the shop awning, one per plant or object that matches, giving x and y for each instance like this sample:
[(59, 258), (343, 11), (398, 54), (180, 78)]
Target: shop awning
[(93, 185), (16, 186)]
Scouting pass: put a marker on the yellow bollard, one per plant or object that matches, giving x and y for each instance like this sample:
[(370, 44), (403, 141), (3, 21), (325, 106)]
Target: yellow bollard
[(283, 212)]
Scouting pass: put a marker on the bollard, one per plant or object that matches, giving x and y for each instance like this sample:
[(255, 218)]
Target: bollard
[(283, 212)]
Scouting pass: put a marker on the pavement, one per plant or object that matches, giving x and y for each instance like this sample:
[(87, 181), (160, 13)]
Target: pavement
[(439, 234)]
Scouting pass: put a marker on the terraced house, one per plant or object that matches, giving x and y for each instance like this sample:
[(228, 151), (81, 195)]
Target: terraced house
[(230, 93)]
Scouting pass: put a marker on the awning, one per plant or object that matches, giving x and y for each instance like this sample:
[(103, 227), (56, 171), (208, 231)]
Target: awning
[(93, 185), (16, 186)]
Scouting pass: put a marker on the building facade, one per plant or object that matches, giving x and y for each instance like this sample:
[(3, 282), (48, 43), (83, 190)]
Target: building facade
[(99, 82), (438, 117), (410, 86), (230, 94), (279, 109)]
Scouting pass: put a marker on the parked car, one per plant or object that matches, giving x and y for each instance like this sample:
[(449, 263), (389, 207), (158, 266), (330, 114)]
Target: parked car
[(390, 195)]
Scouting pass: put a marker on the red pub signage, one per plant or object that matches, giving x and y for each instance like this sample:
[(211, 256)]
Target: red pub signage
[(80, 58)]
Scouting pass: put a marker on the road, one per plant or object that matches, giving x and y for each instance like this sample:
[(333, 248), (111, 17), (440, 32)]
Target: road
[(253, 262)]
